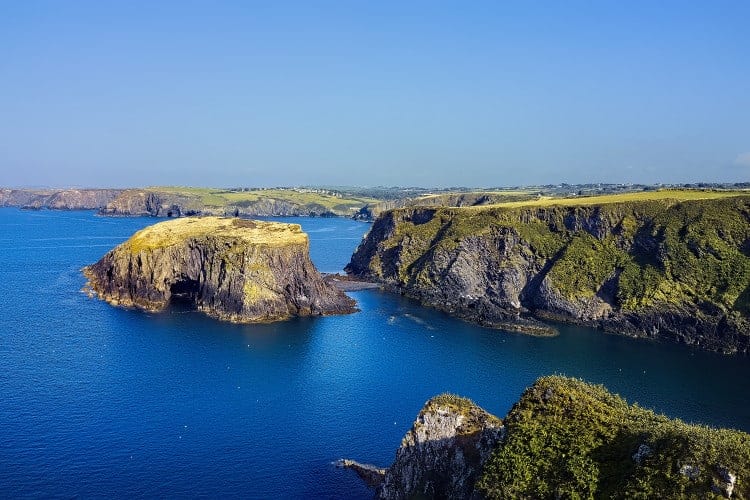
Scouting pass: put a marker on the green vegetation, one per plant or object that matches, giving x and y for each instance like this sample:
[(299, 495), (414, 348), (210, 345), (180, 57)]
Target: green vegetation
[(455, 402), (669, 247), (475, 419), (673, 195), (316, 199), (569, 439), (176, 231)]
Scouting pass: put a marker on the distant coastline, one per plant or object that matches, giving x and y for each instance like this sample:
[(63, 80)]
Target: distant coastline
[(361, 203)]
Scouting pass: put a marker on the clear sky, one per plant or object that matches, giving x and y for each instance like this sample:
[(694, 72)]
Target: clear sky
[(433, 93)]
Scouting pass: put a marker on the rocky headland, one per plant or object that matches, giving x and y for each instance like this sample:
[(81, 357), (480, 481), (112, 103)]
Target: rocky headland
[(181, 202), (563, 439), (58, 199), (231, 269), (658, 267)]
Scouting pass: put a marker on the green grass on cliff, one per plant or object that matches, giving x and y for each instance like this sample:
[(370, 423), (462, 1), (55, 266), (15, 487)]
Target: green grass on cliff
[(219, 198), (652, 247), (569, 439), (233, 233), (675, 195)]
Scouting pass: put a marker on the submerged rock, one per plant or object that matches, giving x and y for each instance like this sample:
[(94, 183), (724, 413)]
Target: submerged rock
[(232, 269)]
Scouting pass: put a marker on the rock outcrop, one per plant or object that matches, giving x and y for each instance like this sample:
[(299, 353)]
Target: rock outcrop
[(660, 269), (146, 202), (58, 199), (232, 269), (442, 454), (564, 438)]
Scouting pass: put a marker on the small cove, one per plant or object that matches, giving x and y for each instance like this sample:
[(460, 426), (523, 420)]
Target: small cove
[(101, 401)]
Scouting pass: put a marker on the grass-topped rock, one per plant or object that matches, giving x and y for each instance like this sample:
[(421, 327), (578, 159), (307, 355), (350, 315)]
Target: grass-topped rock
[(663, 264), (564, 438), (232, 269)]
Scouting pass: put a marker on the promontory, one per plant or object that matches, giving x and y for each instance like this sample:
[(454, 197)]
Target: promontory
[(229, 268), (671, 265), (564, 438)]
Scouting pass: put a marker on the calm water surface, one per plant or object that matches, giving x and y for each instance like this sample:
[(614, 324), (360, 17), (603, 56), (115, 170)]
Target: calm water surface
[(100, 401)]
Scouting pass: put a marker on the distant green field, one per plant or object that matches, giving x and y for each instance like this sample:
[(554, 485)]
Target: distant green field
[(666, 194), (221, 197), (497, 192)]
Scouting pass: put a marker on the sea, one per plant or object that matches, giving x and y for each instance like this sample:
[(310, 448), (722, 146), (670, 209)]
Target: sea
[(99, 401)]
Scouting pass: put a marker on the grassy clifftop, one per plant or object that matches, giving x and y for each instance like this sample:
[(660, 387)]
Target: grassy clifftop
[(675, 195), (569, 439), (176, 231), (222, 197), (674, 263), (172, 201)]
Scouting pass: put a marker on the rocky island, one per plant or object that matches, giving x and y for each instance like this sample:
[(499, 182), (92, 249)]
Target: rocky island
[(231, 269), (670, 265), (564, 438)]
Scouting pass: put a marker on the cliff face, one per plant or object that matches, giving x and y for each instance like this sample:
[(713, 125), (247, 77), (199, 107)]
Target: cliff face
[(231, 269), (164, 203), (443, 453), (65, 199), (563, 439), (441, 456), (142, 202), (662, 269)]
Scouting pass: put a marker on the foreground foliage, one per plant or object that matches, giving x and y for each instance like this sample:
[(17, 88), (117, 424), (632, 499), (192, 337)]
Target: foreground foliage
[(569, 439)]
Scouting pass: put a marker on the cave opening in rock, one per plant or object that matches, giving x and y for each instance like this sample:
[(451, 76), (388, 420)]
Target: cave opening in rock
[(184, 292)]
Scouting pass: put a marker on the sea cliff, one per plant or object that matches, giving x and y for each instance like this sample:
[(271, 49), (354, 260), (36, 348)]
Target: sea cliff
[(564, 438), (185, 201), (659, 267), (232, 269), (58, 199)]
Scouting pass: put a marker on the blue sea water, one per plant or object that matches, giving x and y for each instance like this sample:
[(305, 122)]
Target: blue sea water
[(100, 401)]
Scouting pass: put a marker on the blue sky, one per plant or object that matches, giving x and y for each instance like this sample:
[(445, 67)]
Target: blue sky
[(373, 93)]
